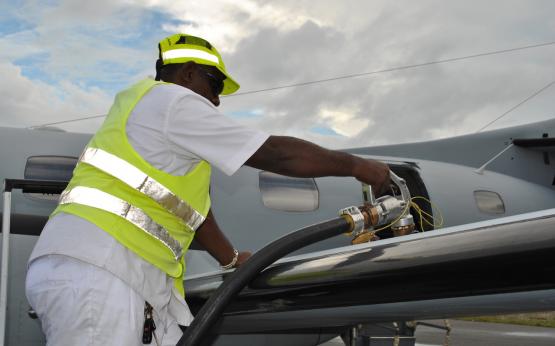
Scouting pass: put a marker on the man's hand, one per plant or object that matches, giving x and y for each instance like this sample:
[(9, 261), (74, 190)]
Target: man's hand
[(373, 173), (243, 257)]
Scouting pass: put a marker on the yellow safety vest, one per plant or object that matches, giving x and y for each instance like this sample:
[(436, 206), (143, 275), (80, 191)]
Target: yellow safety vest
[(151, 212)]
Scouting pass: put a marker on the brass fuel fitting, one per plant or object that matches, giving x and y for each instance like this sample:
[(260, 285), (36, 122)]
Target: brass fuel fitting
[(386, 211)]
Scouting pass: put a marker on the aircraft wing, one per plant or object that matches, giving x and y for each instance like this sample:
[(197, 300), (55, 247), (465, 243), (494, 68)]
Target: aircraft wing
[(497, 266)]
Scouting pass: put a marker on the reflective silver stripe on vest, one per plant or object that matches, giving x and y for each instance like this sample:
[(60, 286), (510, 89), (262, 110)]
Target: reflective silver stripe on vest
[(138, 180), (101, 200)]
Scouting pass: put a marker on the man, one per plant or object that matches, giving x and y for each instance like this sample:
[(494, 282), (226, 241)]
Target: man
[(109, 265)]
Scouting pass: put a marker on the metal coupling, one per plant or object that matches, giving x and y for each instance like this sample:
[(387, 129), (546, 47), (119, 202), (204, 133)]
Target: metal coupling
[(387, 209), (354, 216)]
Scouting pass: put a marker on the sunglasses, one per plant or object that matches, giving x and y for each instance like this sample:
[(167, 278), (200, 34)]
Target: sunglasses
[(216, 84)]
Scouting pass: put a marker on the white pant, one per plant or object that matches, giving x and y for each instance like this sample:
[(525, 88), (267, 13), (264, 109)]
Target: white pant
[(81, 304)]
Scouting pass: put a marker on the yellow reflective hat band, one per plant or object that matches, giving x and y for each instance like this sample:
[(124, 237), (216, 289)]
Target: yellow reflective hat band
[(189, 53)]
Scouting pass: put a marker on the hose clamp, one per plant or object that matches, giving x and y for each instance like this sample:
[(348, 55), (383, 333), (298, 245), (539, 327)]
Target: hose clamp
[(357, 218)]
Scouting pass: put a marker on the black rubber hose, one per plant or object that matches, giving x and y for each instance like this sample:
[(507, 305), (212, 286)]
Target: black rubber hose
[(198, 333)]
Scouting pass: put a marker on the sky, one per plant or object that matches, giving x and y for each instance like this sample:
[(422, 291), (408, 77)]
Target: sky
[(63, 60)]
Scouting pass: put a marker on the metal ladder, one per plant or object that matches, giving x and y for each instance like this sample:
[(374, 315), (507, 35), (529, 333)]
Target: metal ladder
[(27, 185)]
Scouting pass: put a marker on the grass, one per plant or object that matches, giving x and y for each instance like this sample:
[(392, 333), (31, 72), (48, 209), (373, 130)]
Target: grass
[(538, 319)]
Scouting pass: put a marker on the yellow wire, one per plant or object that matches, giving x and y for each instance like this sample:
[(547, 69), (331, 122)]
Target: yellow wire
[(435, 209), (421, 213), (418, 210), (392, 222)]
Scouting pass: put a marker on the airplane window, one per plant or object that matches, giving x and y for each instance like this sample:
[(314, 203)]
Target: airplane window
[(287, 193), (489, 202)]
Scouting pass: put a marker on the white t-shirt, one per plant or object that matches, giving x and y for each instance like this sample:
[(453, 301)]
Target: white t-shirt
[(173, 129)]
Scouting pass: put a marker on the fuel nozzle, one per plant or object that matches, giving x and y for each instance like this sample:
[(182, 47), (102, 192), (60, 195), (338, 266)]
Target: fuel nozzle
[(386, 211)]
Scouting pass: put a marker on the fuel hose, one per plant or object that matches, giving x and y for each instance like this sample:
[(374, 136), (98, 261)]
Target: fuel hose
[(199, 332)]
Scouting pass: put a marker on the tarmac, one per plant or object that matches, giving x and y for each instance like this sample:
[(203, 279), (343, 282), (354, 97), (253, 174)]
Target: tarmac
[(465, 333)]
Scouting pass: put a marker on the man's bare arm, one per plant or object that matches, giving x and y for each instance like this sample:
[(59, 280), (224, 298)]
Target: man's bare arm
[(298, 158), (212, 239)]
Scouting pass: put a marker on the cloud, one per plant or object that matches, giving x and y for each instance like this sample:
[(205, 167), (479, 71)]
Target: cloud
[(324, 131), (29, 102), (344, 121), (67, 59), (70, 49), (226, 22), (99, 43), (409, 105)]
